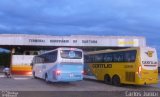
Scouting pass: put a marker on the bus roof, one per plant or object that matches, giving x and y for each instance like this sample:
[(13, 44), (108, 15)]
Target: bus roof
[(111, 50), (61, 48)]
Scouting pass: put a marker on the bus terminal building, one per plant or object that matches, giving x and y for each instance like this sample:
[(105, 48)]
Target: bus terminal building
[(24, 47)]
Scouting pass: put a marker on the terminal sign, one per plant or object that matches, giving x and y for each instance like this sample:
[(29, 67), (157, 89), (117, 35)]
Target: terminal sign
[(62, 41)]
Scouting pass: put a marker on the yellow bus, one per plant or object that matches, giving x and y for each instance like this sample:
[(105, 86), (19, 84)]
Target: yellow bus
[(138, 66)]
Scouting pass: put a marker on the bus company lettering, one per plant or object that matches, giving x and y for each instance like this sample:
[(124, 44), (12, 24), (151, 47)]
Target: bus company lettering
[(149, 62), (128, 66), (102, 65)]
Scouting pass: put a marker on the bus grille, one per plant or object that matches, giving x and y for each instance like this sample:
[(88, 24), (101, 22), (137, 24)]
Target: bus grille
[(130, 76)]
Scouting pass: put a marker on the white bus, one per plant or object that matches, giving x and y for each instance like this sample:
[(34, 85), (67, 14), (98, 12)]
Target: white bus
[(61, 64)]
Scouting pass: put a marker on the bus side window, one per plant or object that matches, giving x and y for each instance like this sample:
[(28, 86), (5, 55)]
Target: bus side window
[(133, 56), (127, 57), (130, 56), (108, 57), (89, 58), (92, 58), (118, 57), (115, 57), (86, 58), (99, 58), (50, 57), (53, 56), (39, 59)]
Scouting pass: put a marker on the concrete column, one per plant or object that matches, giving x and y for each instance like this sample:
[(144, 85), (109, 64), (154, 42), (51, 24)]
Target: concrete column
[(12, 52)]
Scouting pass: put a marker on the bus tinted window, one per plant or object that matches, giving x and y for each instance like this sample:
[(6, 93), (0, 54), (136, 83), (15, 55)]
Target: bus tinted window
[(70, 54), (99, 58), (108, 57), (87, 59), (50, 57), (38, 59), (118, 57), (130, 56), (123, 56), (46, 58)]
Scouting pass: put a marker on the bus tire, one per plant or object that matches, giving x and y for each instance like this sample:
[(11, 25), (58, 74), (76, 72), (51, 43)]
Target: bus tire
[(46, 78), (107, 79), (116, 80)]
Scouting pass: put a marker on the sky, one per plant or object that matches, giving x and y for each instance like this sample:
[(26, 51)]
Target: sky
[(83, 17)]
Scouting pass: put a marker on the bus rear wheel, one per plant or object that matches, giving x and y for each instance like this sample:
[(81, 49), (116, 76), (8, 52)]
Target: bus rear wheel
[(107, 79), (116, 80)]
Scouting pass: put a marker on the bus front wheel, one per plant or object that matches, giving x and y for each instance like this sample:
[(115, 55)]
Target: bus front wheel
[(107, 79), (116, 80)]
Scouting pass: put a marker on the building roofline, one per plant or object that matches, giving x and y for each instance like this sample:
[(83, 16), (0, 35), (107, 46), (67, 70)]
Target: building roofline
[(40, 35)]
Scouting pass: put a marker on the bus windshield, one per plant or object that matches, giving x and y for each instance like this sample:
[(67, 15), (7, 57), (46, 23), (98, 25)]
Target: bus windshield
[(70, 54)]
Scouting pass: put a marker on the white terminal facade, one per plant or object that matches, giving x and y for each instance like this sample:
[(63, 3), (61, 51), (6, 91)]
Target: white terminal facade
[(23, 46)]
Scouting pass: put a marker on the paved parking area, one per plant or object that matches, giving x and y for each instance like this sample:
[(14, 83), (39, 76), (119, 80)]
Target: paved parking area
[(19, 83)]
